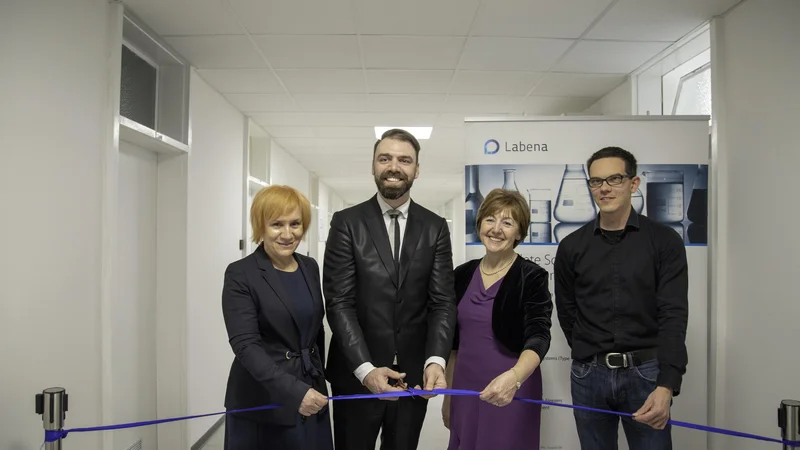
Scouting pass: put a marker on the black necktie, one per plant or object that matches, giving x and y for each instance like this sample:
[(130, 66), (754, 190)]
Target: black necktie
[(394, 214)]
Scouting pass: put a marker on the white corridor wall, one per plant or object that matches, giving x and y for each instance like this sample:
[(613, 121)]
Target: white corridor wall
[(755, 62), (214, 230), (54, 118)]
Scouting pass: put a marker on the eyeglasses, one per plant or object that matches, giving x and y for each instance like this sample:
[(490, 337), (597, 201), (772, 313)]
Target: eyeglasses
[(613, 180)]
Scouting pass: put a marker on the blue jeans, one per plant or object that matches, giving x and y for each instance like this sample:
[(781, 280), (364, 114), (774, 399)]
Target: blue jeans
[(623, 390)]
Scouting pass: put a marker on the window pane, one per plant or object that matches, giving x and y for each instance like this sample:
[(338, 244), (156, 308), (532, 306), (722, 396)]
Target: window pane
[(138, 89), (694, 94)]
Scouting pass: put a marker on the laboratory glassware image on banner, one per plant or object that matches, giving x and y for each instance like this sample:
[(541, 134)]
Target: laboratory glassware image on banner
[(561, 202)]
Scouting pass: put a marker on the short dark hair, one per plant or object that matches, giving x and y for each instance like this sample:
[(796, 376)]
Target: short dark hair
[(399, 135), (615, 152)]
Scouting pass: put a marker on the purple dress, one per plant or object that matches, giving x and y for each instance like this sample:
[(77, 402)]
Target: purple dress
[(475, 424)]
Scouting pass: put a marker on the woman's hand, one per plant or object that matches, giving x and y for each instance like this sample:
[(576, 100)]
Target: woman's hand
[(312, 403), (501, 390), (446, 412)]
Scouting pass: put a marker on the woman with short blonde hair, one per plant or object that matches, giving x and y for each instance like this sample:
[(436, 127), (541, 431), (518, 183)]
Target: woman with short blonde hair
[(273, 310)]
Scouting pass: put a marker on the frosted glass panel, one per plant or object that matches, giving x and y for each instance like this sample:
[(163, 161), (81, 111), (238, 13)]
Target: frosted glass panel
[(694, 94)]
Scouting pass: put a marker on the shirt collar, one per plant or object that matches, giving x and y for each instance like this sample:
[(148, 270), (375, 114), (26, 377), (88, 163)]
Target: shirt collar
[(385, 207), (633, 221)]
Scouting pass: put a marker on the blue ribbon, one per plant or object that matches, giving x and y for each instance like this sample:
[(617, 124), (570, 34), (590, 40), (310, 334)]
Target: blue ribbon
[(54, 435)]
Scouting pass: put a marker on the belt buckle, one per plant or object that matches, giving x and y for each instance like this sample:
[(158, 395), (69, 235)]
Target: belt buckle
[(612, 366)]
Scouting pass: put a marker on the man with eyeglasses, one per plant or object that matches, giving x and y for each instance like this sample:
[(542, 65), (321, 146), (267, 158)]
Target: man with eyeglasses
[(621, 288)]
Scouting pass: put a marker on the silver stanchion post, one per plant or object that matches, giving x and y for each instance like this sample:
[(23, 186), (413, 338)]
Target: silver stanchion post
[(52, 404), (789, 422)]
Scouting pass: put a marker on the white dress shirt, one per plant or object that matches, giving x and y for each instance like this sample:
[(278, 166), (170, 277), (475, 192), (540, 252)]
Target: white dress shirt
[(365, 368)]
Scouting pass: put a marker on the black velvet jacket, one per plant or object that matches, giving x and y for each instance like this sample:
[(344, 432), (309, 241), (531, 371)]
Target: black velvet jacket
[(522, 307)]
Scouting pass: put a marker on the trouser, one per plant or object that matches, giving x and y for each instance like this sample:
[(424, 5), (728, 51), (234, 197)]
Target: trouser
[(595, 385), (357, 423)]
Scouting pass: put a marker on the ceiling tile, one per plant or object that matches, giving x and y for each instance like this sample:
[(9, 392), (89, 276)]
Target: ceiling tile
[(242, 81), (406, 102), (218, 52), (346, 132), (498, 83), (295, 16), (522, 54), (291, 132), (550, 105), (609, 56), (370, 119), (656, 20), (310, 52), (409, 81), (578, 84), (537, 18), (415, 17), (261, 102), (411, 52), (323, 81), (169, 18), (332, 102), (487, 104), (280, 119)]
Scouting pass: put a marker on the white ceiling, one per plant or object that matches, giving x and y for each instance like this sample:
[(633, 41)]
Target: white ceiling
[(319, 74)]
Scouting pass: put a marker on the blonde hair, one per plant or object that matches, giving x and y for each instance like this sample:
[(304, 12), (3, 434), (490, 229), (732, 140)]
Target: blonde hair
[(275, 201), (499, 200)]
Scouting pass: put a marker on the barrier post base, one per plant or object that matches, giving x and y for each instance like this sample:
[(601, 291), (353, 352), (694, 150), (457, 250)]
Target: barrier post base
[(52, 405), (789, 422)]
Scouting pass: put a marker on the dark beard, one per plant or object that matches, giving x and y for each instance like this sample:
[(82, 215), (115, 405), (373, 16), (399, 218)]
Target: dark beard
[(391, 192)]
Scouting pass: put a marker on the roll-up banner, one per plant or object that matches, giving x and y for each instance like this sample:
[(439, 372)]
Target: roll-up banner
[(545, 160)]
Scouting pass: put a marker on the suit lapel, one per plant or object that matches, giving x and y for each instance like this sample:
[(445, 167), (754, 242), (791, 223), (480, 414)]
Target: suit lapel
[(270, 275), (377, 230), (410, 241)]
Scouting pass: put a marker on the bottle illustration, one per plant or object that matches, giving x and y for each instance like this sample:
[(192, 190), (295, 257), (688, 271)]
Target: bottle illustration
[(697, 212), (472, 203), (540, 206), (574, 203), (508, 180), (698, 203), (665, 195), (637, 201)]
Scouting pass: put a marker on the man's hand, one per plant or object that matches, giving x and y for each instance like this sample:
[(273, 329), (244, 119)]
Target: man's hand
[(501, 390), (377, 381), (655, 411), (433, 378)]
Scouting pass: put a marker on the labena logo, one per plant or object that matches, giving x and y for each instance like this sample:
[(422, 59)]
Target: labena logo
[(492, 146)]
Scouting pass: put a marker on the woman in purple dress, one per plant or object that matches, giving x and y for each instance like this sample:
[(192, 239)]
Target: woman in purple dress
[(503, 334)]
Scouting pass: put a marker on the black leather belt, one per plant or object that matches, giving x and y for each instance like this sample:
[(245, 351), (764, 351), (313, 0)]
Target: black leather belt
[(623, 360)]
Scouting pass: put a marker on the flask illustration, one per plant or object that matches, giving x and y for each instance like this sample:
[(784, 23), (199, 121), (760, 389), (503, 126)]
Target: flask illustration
[(665, 195), (472, 203), (637, 201), (574, 203), (508, 180), (540, 206)]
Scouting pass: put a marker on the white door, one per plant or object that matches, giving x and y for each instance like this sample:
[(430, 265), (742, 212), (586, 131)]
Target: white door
[(134, 305)]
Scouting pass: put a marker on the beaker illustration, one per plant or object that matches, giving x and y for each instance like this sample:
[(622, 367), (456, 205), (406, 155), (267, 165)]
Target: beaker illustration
[(508, 180), (472, 203), (540, 233), (574, 203), (665, 195), (637, 201), (697, 212), (540, 204)]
